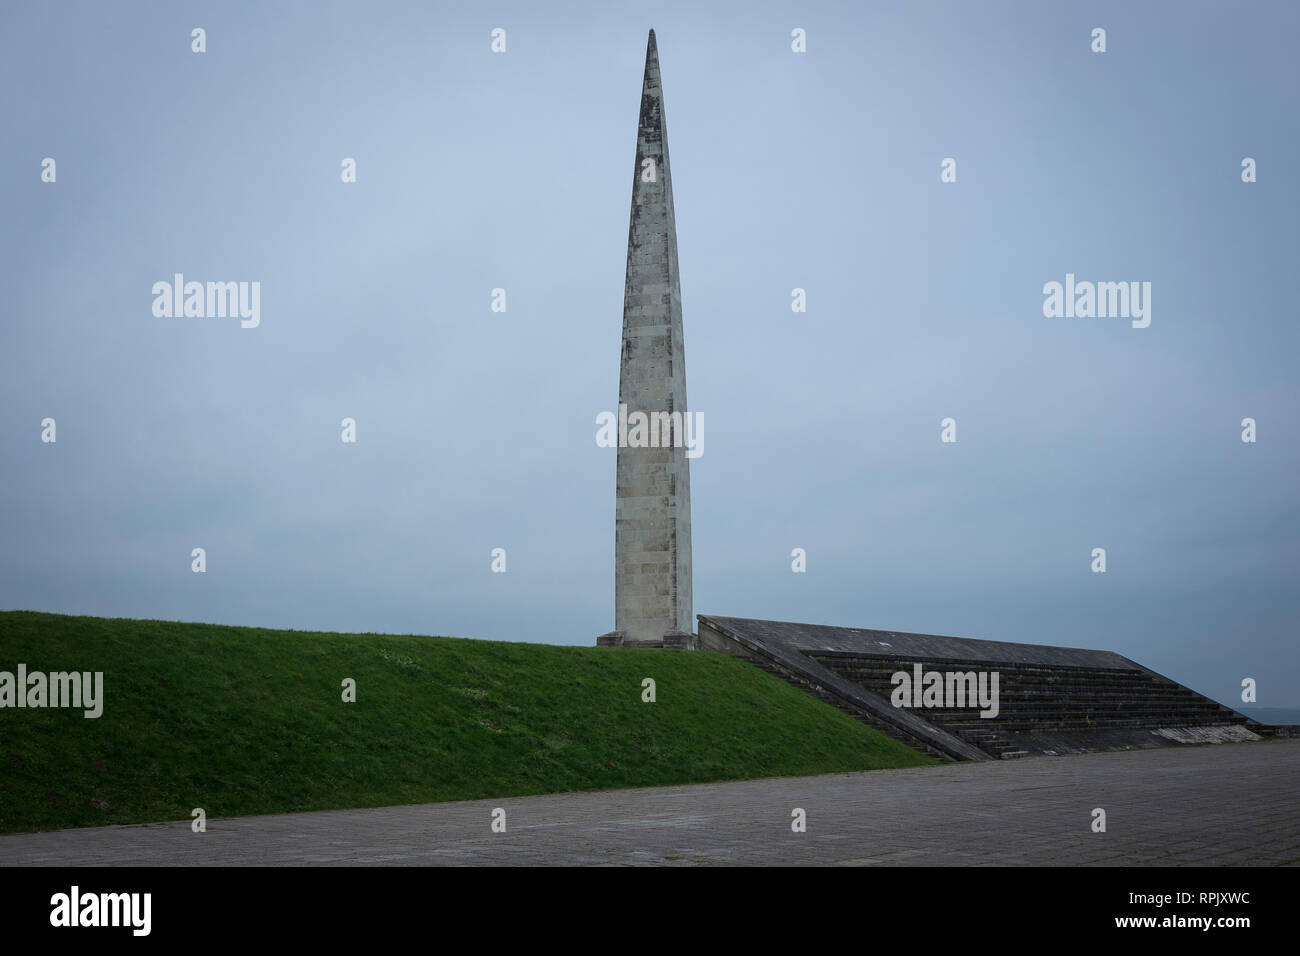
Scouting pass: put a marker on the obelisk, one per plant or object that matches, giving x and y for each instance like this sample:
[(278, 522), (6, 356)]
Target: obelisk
[(652, 524)]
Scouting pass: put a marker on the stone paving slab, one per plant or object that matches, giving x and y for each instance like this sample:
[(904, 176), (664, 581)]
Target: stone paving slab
[(1235, 804)]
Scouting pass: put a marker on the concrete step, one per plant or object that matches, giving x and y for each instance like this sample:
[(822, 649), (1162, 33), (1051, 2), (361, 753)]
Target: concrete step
[(1033, 700)]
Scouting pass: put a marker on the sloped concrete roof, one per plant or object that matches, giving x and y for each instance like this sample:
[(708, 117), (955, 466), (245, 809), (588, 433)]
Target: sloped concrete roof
[(822, 638)]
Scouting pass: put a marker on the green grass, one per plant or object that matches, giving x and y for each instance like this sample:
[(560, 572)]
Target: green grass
[(245, 720)]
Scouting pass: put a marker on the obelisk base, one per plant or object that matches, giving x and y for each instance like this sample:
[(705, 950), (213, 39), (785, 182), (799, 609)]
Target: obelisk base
[(673, 640)]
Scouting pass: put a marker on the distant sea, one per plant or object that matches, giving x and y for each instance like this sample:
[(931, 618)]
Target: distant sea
[(1270, 715)]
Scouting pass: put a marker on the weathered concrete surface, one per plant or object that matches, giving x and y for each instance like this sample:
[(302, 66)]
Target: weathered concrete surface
[(1053, 700), (813, 638), (652, 536), (1232, 804), (790, 664)]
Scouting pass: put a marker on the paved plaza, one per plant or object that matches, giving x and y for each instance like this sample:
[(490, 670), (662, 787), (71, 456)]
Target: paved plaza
[(1236, 804)]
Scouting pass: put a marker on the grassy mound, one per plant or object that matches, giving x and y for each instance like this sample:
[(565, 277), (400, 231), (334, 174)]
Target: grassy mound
[(246, 720)]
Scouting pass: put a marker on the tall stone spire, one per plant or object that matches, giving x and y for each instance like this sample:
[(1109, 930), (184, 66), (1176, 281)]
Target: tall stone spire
[(652, 526)]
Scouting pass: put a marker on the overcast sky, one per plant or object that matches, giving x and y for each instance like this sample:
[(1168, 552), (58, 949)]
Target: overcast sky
[(476, 429)]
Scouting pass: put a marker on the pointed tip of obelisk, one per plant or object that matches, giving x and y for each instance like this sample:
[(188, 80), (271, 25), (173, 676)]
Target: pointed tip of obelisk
[(651, 60)]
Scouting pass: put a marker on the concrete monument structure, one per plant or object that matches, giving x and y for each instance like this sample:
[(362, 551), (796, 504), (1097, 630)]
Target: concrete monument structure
[(1048, 700), (652, 536), (954, 698)]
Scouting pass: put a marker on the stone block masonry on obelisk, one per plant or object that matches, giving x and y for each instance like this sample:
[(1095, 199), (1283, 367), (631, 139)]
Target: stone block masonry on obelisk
[(652, 525)]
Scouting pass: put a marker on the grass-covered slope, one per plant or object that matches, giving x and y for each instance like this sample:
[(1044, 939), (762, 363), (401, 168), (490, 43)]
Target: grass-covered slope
[(245, 720)]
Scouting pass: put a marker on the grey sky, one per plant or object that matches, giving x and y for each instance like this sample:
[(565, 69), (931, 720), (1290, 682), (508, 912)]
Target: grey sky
[(476, 429)]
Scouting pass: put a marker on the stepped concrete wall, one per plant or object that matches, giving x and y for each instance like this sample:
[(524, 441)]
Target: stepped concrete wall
[(1051, 700)]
